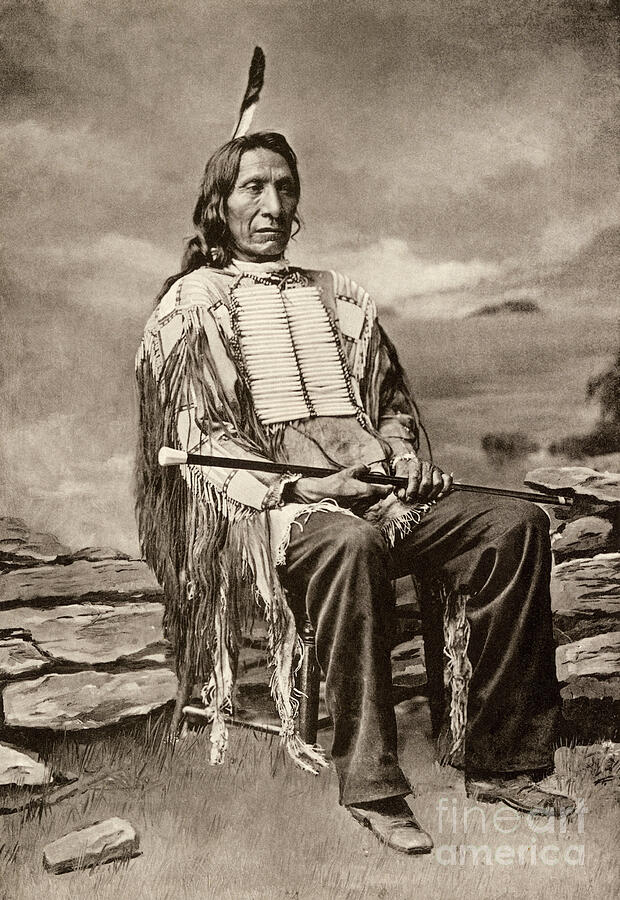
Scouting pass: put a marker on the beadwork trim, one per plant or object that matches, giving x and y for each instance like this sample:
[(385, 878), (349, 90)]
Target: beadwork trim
[(360, 415), (293, 278)]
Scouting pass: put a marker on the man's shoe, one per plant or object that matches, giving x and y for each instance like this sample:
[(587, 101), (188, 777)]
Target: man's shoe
[(394, 824), (520, 792)]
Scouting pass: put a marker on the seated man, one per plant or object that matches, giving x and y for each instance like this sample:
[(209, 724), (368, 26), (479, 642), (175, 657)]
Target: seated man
[(250, 357)]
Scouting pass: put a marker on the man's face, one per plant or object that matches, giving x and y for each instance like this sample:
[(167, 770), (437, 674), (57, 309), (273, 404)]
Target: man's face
[(261, 207)]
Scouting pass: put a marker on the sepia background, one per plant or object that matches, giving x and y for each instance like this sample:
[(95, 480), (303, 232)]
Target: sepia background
[(453, 156)]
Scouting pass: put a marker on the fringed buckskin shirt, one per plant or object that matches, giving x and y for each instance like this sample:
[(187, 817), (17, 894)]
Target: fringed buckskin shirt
[(259, 361)]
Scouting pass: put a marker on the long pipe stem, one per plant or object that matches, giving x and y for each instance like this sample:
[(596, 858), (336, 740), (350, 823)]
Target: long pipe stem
[(170, 457)]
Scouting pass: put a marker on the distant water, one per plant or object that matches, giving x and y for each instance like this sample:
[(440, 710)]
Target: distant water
[(510, 372)]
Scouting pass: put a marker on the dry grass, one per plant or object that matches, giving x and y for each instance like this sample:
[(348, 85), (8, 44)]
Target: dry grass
[(259, 828)]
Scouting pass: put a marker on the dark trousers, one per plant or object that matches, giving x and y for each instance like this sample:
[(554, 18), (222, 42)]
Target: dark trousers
[(340, 570)]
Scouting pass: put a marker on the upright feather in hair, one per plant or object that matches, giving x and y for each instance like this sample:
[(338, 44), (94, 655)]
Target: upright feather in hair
[(256, 77)]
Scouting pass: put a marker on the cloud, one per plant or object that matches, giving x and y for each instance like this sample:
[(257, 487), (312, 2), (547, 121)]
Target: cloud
[(450, 153), (59, 152), (113, 273), (115, 251), (391, 271), (65, 473), (565, 236), (90, 482), (64, 215)]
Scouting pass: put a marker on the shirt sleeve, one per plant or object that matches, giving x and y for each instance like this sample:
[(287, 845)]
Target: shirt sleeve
[(384, 390), (255, 489), (398, 421)]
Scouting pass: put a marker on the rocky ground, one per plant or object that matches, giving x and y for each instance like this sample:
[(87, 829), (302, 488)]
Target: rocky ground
[(585, 593), (81, 645)]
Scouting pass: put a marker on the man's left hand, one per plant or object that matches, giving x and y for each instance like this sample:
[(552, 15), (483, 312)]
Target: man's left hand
[(425, 480)]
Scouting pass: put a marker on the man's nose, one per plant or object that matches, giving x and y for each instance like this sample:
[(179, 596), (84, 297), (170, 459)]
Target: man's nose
[(270, 201)]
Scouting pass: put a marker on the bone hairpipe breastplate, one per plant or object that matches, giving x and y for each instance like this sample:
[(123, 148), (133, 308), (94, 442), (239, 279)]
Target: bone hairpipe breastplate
[(290, 354)]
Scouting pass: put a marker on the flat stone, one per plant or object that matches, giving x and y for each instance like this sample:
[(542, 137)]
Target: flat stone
[(408, 616), (603, 486), (258, 675), (597, 656), (255, 635), (251, 659), (591, 708), (99, 843), (91, 633), (84, 700), (20, 545), (409, 651), (591, 688), (21, 769), (159, 654), (26, 782), (96, 554), (585, 595), (18, 657), (408, 669), (15, 634), (584, 537), (411, 675), (107, 579)]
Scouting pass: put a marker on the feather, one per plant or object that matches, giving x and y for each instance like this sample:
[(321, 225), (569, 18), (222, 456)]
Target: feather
[(256, 77)]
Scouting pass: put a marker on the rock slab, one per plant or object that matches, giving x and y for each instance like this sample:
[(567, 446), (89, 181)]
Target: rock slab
[(21, 546), (19, 657), (99, 843), (96, 554), (598, 656), (119, 579), (20, 769), (585, 595), (408, 668), (84, 700), (90, 633), (584, 537), (582, 480)]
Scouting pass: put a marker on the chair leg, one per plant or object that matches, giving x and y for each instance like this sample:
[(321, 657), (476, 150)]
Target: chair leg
[(184, 689), (309, 681), (432, 631)]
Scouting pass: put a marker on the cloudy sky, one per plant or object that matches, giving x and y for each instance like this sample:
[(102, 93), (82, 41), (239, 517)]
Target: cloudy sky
[(452, 153)]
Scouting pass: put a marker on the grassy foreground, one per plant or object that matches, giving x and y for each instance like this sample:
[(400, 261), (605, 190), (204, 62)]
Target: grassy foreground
[(259, 828)]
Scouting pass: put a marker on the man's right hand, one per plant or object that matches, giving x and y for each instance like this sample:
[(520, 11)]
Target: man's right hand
[(343, 487)]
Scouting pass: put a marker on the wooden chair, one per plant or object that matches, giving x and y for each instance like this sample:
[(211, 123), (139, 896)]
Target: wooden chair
[(432, 634), (309, 681), (309, 677), (309, 684)]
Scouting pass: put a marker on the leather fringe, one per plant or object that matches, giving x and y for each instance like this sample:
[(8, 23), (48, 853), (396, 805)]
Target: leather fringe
[(403, 525), (457, 667), (210, 554)]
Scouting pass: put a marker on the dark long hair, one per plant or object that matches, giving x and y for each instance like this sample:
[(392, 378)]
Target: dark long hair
[(210, 246)]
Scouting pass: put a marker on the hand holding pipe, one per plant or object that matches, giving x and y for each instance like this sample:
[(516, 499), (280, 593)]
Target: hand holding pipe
[(170, 457)]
